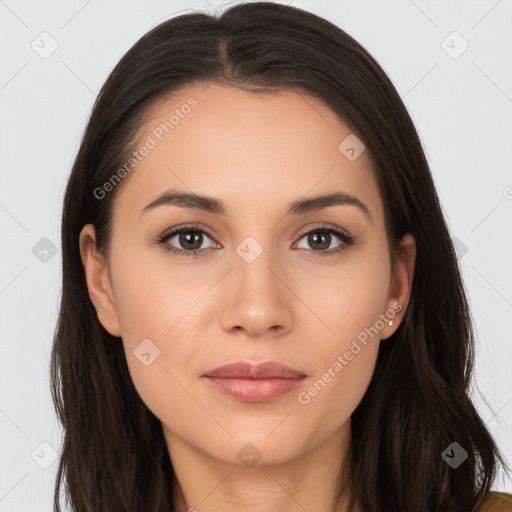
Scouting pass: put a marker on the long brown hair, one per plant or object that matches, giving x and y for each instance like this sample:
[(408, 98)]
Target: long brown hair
[(114, 457)]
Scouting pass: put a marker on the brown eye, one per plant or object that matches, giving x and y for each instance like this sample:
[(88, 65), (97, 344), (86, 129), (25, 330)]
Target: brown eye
[(320, 239), (186, 241), (190, 240)]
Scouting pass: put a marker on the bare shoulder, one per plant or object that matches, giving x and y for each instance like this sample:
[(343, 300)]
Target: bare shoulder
[(498, 502)]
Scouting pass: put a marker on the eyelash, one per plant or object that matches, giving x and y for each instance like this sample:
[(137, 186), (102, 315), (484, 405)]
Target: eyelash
[(343, 235)]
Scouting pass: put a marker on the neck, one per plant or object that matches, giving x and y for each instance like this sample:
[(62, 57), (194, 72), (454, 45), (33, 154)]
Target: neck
[(308, 482)]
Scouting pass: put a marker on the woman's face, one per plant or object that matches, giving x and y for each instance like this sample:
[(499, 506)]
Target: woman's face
[(265, 281)]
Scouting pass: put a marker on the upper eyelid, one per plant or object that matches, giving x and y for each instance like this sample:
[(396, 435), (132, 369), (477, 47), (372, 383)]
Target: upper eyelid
[(176, 231)]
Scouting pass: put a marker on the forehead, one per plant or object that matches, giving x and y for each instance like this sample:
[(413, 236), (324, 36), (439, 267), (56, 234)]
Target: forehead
[(256, 151)]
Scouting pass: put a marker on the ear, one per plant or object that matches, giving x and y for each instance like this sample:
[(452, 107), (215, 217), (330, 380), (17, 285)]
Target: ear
[(98, 281), (401, 285)]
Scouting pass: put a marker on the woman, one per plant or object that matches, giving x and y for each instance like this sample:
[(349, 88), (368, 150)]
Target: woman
[(262, 307)]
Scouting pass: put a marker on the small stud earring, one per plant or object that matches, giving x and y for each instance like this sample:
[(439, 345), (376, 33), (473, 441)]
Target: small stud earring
[(390, 322)]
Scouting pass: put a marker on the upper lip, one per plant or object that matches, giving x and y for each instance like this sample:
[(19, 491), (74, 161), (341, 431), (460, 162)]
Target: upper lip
[(265, 370)]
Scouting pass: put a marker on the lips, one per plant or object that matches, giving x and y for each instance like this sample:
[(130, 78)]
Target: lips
[(247, 382), (266, 370)]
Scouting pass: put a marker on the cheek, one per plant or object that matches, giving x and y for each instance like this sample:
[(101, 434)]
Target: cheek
[(334, 393), (348, 297), (157, 354), (150, 298), (350, 303), (345, 355), (152, 304)]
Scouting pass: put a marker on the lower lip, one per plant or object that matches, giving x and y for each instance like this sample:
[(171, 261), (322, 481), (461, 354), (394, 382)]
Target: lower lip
[(255, 390)]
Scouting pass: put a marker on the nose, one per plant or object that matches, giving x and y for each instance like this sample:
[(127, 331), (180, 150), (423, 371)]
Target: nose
[(258, 300)]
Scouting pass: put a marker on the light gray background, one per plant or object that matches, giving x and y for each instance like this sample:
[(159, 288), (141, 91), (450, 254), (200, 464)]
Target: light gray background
[(462, 108)]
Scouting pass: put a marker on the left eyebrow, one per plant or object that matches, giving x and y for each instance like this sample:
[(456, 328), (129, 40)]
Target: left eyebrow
[(214, 205), (324, 201)]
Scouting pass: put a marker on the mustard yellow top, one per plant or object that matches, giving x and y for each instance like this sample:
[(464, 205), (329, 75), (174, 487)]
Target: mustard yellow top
[(498, 502)]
